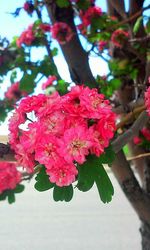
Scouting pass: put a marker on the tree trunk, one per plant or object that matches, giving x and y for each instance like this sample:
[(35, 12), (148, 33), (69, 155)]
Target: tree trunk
[(145, 234)]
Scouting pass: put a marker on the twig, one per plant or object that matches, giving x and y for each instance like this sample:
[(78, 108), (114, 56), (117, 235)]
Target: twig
[(130, 116), (127, 136), (138, 156)]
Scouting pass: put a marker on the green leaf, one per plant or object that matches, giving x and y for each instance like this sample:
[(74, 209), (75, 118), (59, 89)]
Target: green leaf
[(85, 178), (13, 76), (63, 193), (93, 171), (27, 82), (42, 181), (148, 26), (103, 183), (115, 83), (62, 3), (137, 24), (19, 188), (108, 157), (11, 197)]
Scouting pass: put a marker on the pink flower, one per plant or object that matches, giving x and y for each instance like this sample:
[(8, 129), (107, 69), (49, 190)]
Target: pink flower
[(45, 27), (75, 144), (102, 45), (61, 32), (46, 150), (27, 37), (89, 14), (146, 133), (119, 37), (9, 176), (28, 7), (62, 173), (137, 140), (147, 100), (14, 93), (49, 82)]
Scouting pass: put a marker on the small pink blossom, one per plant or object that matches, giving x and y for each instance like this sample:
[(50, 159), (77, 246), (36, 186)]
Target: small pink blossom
[(61, 32), (14, 93), (63, 174), (88, 15), (147, 100), (49, 82), (27, 37), (119, 37), (146, 133), (137, 140), (28, 7), (102, 45), (75, 144), (9, 176)]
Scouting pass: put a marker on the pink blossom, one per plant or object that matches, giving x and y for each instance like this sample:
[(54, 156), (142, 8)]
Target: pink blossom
[(27, 37), (75, 144), (63, 174), (137, 140), (119, 37), (146, 133), (9, 176), (49, 82), (147, 100), (102, 45), (28, 7), (88, 15), (46, 150), (14, 93), (61, 32), (45, 27)]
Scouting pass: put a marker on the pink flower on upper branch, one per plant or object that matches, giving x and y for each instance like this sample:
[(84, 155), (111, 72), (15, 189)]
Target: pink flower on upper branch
[(49, 82), (119, 37), (102, 45), (14, 93), (89, 14), (27, 37), (137, 140), (147, 100), (9, 176), (28, 7), (45, 27), (146, 133), (61, 32)]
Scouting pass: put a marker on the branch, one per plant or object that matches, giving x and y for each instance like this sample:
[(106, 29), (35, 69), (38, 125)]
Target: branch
[(123, 139), (119, 7), (6, 154), (130, 186), (130, 116), (129, 107)]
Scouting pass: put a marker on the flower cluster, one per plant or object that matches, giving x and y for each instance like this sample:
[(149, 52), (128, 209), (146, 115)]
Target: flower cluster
[(88, 15), (13, 93), (119, 37), (49, 82), (33, 31), (147, 100), (61, 32), (9, 176), (66, 130)]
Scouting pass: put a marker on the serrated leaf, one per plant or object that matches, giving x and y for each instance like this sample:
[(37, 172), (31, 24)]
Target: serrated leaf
[(85, 178), (63, 193), (108, 157), (11, 197), (42, 181), (103, 183), (19, 188), (137, 24), (27, 82)]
